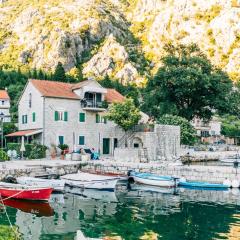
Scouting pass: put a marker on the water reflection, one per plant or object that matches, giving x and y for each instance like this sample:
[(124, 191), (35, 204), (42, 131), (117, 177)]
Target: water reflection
[(184, 214)]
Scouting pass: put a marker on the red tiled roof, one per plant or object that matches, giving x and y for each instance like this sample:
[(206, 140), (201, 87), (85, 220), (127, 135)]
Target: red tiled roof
[(54, 89), (65, 90), (23, 133), (113, 96), (4, 94)]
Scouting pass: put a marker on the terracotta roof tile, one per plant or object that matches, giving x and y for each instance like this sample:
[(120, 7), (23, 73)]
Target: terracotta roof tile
[(65, 90), (4, 94), (21, 133), (54, 89), (113, 96)]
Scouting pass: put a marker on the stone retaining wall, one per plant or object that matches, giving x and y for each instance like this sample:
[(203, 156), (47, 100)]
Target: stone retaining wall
[(39, 171), (213, 174)]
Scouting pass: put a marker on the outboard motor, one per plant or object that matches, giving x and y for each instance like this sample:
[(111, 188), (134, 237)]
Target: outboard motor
[(10, 179)]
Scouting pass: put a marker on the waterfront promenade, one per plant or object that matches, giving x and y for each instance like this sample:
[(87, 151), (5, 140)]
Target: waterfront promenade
[(43, 167)]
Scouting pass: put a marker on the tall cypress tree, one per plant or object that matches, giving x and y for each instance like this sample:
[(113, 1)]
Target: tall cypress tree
[(59, 74)]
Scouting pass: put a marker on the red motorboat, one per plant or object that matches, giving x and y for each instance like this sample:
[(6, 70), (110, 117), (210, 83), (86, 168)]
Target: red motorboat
[(17, 191)]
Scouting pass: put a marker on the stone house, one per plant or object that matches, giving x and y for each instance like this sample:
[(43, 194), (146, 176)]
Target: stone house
[(74, 114), (5, 105)]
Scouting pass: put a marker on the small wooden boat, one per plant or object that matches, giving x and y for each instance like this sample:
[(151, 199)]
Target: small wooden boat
[(202, 185), (9, 190), (91, 181), (153, 179), (57, 185), (39, 209)]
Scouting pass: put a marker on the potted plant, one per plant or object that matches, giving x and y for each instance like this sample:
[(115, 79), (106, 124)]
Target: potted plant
[(64, 149)]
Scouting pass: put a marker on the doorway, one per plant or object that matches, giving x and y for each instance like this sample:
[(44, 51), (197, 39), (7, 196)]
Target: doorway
[(106, 145)]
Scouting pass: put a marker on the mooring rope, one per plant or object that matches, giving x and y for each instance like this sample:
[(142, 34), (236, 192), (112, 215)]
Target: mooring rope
[(8, 218)]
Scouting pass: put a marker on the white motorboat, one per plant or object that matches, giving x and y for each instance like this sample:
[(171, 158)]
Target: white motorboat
[(153, 179), (90, 181), (56, 184)]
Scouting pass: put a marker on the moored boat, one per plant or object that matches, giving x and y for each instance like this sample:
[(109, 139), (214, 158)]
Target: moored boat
[(202, 185), (153, 179), (17, 191), (90, 181), (56, 185)]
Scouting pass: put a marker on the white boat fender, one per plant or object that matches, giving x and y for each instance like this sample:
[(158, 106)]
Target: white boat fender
[(235, 183), (182, 179), (235, 191), (227, 182)]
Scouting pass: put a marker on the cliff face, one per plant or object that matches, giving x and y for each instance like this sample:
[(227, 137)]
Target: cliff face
[(119, 38)]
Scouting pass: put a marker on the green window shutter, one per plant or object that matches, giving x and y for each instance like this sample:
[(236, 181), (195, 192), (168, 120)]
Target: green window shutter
[(105, 120), (22, 119), (34, 117), (65, 116), (97, 118), (56, 116), (81, 117), (81, 140), (61, 140)]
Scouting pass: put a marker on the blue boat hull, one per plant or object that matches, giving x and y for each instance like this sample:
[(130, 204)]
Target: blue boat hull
[(202, 185)]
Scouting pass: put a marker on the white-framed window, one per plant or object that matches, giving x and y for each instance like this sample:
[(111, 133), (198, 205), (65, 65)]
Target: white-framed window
[(61, 115)]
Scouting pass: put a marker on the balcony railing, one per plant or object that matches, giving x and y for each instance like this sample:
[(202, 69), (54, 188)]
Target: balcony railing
[(90, 104)]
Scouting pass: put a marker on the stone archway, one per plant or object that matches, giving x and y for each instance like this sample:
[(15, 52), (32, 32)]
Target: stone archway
[(137, 142)]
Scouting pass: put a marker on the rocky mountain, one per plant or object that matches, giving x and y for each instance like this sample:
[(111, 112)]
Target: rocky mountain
[(119, 38)]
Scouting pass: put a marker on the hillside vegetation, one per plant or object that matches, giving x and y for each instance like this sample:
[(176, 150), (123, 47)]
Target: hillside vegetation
[(122, 39)]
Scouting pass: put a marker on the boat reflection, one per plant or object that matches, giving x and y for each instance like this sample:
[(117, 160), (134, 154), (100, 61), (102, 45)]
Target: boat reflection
[(105, 196), (39, 209)]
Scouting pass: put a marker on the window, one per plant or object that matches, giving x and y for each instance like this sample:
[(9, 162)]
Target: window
[(2, 102), (81, 117), (34, 117), (24, 119), (81, 140), (97, 118), (30, 100), (61, 116), (61, 140)]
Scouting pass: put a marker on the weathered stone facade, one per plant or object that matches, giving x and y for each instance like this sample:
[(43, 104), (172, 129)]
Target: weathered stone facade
[(162, 143)]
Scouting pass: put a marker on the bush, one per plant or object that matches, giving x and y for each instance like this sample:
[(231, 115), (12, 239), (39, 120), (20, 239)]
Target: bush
[(3, 156), (33, 151), (38, 151), (63, 146)]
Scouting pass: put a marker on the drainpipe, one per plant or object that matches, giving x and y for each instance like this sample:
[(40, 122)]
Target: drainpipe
[(43, 134)]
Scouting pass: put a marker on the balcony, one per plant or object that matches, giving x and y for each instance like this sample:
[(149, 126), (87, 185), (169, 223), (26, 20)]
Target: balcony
[(92, 105)]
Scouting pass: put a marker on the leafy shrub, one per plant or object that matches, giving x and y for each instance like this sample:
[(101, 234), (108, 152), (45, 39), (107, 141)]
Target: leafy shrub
[(63, 146), (38, 151), (3, 156), (33, 151)]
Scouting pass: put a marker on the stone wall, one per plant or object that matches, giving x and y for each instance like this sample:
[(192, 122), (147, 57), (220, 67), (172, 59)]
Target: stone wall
[(214, 174), (36, 171)]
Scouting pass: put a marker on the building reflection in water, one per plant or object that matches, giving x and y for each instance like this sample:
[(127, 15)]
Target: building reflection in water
[(183, 214)]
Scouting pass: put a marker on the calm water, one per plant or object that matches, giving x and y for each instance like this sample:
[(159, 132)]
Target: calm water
[(171, 215)]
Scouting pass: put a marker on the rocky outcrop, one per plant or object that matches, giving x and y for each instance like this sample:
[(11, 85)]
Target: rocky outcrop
[(98, 33)]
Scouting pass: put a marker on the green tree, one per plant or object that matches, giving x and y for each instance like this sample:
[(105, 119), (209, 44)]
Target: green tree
[(231, 126), (188, 134), (59, 74), (187, 85), (124, 114), (9, 128)]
